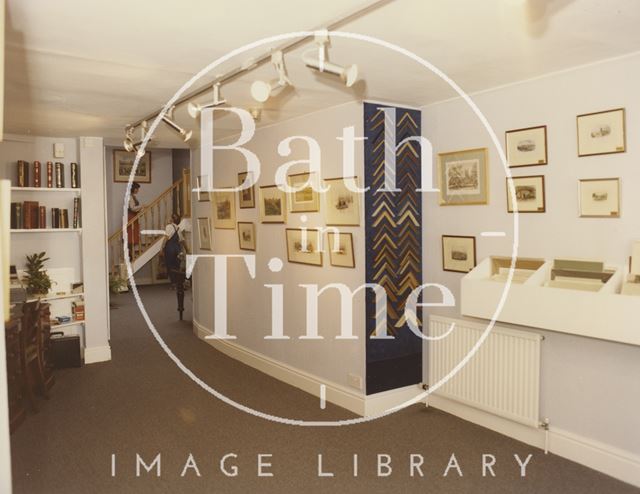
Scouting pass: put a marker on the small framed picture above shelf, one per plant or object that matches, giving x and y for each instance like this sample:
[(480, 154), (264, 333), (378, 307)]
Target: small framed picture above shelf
[(47, 230), (45, 189)]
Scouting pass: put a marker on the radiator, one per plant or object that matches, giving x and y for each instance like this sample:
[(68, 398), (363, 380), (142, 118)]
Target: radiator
[(502, 378)]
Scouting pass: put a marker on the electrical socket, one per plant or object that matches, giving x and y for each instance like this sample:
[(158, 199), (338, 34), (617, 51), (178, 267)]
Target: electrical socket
[(354, 381)]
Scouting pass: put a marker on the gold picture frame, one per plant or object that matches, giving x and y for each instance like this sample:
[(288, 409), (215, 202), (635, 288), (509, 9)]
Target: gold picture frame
[(272, 204), (123, 163), (340, 246), (303, 246), (246, 235), (305, 200), (223, 209), (342, 205), (246, 197)]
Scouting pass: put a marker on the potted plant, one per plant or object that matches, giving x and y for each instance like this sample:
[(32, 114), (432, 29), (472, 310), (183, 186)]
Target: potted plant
[(36, 277)]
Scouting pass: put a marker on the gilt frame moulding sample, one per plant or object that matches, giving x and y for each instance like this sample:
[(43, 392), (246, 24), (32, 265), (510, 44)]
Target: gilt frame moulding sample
[(393, 239)]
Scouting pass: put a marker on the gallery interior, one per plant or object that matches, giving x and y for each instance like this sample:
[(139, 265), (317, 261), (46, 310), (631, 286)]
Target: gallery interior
[(354, 245)]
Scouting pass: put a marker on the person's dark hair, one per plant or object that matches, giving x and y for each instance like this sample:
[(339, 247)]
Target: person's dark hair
[(135, 186), (177, 218)]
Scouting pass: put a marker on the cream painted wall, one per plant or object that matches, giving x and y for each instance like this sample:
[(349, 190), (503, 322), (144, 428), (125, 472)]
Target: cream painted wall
[(249, 301), (589, 387)]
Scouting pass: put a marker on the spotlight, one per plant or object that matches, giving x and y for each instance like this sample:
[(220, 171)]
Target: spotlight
[(168, 119), (194, 109), (349, 74), (261, 90)]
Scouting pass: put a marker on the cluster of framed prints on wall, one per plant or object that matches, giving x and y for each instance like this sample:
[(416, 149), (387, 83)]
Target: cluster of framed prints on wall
[(463, 177), (304, 245)]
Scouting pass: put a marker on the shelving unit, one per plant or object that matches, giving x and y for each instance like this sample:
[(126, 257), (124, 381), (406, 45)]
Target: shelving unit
[(45, 189), (46, 230), (604, 314), (57, 297)]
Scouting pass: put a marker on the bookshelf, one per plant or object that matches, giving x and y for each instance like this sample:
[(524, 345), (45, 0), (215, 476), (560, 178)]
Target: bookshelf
[(46, 189), (45, 230)]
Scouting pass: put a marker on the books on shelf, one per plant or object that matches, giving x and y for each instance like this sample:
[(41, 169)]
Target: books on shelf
[(30, 215), (76, 213), (36, 174), (49, 174), (77, 309), (75, 177), (23, 173), (59, 175)]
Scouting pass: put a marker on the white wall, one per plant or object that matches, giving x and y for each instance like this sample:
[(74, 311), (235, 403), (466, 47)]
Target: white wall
[(249, 301), (589, 387)]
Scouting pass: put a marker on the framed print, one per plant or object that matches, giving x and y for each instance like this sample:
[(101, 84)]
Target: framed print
[(303, 246), (601, 132), (204, 234), (458, 253), (341, 204), (526, 147), (304, 200), (272, 204), (463, 177), (340, 246), (202, 196), (123, 163), (599, 198), (246, 235), (530, 194), (246, 197), (224, 210)]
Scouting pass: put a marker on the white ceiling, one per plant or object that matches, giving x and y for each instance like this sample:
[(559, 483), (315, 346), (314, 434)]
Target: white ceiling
[(88, 68)]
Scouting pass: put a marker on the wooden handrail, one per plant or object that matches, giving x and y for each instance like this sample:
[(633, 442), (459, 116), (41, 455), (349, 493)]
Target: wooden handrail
[(137, 217)]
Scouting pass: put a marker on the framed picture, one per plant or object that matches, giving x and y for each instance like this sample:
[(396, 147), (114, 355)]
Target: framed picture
[(303, 246), (530, 194), (203, 196), (224, 210), (123, 163), (204, 233), (599, 198), (246, 235), (341, 204), (463, 177), (601, 132), (272, 205), (341, 249), (246, 197), (526, 147), (458, 253), (305, 200)]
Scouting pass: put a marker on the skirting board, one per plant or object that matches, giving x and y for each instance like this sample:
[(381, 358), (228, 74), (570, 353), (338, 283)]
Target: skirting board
[(96, 354), (337, 394), (604, 458)]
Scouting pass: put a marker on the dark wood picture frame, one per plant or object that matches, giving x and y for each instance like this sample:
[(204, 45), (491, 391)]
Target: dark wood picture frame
[(253, 228), (514, 131), (116, 175), (241, 177), (544, 194), (475, 259), (331, 253)]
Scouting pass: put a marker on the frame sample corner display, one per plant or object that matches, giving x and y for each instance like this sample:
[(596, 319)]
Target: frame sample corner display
[(393, 240)]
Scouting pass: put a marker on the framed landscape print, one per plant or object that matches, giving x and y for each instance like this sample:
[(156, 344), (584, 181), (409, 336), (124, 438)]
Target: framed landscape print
[(202, 196), (458, 253), (204, 234), (463, 177), (526, 147), (272, 205), (246, 197), (530, 194), (601, 132), (246, 235), (340, 246), (305, 199), (302, 246), (123, 163), (599, 198), (341, 204), (224, 210)]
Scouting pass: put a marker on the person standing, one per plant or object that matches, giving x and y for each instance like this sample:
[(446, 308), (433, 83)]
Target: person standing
[(172, 246), (133, 230)]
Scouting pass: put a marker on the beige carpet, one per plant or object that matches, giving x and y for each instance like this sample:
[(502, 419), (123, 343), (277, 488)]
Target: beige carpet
[(140, 403)]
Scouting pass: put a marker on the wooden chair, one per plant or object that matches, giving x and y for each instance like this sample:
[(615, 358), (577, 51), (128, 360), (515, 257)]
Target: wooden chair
[(32, 351)]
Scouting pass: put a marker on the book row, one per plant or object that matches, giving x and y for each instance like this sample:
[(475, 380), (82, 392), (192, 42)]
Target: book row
[(29, 215), (31, 176)]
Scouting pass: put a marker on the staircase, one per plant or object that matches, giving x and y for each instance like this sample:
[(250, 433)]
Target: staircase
[(151, 221)]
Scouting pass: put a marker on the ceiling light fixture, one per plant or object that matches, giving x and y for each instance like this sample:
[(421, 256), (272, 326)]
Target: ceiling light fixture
[(195, 109), (168, 119), (129, 144), (349, 75), (262, 90)]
